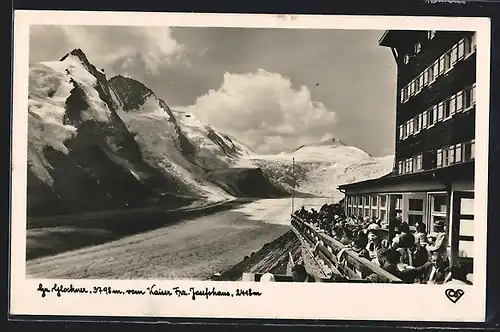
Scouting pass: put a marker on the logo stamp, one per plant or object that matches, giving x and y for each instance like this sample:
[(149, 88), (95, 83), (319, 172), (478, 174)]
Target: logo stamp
[(454, 294)]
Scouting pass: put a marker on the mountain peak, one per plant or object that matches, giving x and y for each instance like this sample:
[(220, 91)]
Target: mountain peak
[(77, 52), (132, 92), (333, 141)]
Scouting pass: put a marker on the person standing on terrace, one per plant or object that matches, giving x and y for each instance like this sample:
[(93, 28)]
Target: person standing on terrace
[(421, 234), (440, 240)]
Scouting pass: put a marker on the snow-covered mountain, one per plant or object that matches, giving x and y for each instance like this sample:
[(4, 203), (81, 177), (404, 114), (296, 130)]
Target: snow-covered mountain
[(97, 144), (81, 156), (319, 169)]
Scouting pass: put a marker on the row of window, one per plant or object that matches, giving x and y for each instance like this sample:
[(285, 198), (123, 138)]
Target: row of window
[(461, 101), (418, 47), (457, 153), (461, 50), (367, 201), (446, 156), (374, 206), (410, 165)]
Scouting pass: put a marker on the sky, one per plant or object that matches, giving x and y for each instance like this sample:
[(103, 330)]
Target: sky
[(273, 89)]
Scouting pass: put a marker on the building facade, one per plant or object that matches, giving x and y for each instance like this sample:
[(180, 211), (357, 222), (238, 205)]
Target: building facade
[(433, 174)]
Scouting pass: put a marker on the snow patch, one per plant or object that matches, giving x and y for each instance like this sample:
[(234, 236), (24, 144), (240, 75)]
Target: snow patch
[(156, 137), (47, 93), (320, 169), (73, 68)]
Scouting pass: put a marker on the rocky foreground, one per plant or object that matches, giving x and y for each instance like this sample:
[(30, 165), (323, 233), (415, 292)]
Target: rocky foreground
[(272, 257)]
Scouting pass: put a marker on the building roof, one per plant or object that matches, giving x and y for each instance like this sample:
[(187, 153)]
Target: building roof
[(387, 39), (463, 171), (398, 38)]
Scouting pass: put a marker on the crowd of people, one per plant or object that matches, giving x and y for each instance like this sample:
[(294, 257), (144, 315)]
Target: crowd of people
[(410, 253)]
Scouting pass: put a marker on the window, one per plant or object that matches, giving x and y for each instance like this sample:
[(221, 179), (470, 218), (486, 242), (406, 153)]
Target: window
[(383, 214), (439, 158), (431, 34), (458, 152), (440, 111), (430, 74), (425, 77), (406, 58), (451, 150), (452, 105), (438, 209), (410, 165), (410, 127), (468, 46), (473, 149), (383, 201), (413, 219), (421, 81), (446, 109), (467, 99), (446, 157), (439, 204), (400, 167), (441, 65), (415, 204), (459, 101), (434, 114), (418, 87), (417, 48), (447, 61), (461, 49), (473, 94), (435, 71), (419, 163), (425, 119), (454, 55), (466, 227), (420, 121)]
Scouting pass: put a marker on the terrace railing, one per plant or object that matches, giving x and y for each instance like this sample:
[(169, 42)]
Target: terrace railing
[(338, 256)]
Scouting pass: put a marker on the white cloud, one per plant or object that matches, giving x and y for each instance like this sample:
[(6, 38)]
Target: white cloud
[(265, 111), (153, 47)]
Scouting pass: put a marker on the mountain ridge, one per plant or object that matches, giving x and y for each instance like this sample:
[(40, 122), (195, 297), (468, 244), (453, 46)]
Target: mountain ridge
[(96, 144)]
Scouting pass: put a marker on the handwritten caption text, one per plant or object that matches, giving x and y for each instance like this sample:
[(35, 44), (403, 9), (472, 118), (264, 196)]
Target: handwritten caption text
[(152, 290)]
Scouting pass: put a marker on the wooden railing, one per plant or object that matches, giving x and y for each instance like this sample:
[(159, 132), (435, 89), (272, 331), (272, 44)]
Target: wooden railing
[(350, 264), (255, 277)]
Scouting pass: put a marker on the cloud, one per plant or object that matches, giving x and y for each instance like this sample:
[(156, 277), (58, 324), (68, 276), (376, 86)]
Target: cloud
[(265, 111), (119, 49)]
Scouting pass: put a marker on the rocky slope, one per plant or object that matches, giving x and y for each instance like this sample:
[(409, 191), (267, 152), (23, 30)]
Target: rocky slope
[(81, 156)]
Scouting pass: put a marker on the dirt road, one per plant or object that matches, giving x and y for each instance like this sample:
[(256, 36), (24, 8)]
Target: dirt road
[(192, 249)]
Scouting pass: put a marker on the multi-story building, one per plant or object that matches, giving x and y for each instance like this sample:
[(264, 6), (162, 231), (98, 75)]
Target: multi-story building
[(433, 174)]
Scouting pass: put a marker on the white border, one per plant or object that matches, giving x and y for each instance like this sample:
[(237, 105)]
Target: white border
[(279, 300)]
